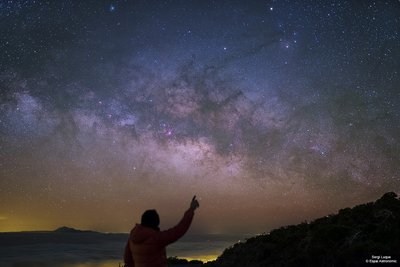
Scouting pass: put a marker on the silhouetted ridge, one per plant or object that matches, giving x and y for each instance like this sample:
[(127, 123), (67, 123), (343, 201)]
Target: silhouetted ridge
[(349, 238), (65, 229)]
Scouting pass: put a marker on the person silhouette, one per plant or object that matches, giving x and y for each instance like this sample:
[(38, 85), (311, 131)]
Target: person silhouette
[(146, 243)]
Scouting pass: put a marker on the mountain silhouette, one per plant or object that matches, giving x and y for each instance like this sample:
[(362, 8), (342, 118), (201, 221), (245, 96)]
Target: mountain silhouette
[(359, 236), (65, 229)]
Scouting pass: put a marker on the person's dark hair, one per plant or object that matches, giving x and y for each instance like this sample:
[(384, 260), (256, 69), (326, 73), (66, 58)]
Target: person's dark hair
[(151, 219)]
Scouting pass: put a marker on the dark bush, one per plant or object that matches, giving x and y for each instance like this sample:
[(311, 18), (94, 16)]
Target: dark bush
[(346, 239)]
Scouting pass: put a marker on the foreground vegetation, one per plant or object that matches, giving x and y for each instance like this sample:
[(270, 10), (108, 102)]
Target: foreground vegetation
[(354, 237), (174, 261)]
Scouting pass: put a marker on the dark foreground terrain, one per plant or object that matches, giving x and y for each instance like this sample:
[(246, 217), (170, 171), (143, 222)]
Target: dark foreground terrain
[(366, 235)]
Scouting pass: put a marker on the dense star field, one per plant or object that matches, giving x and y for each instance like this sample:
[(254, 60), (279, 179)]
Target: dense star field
[(271, 112)]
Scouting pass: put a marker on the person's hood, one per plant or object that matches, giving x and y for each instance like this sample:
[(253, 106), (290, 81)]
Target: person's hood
[(141, 233)]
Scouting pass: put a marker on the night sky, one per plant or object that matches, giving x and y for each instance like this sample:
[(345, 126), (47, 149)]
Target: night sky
[(271, 112)]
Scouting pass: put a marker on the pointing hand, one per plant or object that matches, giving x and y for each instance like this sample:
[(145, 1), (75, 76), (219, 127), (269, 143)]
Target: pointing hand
[(194, 204)]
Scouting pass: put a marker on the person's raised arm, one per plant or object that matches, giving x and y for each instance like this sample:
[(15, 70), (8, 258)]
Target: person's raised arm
[(171, 235), (194, 204)]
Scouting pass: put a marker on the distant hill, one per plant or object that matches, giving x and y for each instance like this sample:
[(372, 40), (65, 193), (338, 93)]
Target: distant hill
[(359, 236), (65, 229), (62, 235)]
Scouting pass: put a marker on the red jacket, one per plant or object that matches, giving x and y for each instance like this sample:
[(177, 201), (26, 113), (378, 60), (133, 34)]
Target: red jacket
[(146, 246)]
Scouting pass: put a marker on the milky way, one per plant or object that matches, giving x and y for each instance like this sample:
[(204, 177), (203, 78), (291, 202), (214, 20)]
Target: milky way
[(272, 112)]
